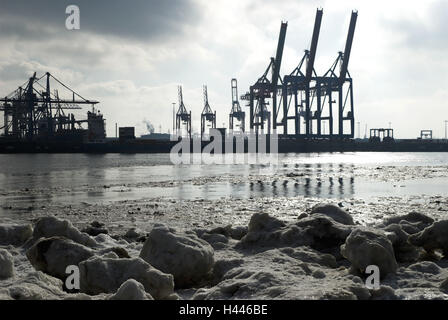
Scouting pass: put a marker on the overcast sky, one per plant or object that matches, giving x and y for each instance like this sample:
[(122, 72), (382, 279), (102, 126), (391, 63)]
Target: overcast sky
[(131, 55)]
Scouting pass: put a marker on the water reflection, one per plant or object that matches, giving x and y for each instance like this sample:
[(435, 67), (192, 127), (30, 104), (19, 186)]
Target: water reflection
[(313, 186), (92, 185), (36, 180), (308, 187)]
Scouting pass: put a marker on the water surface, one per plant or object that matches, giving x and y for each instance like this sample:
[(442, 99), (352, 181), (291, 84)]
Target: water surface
[(31, 180)]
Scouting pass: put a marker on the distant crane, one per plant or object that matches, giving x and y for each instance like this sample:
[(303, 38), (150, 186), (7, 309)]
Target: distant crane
[(31, 112), (207, 114), (182, 115), (236, 112)]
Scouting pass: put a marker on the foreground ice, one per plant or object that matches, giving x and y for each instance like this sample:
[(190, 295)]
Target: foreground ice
[(185, 256), (319, 253)]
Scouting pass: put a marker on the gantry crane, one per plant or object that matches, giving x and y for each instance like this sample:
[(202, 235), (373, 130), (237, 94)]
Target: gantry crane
[(314, 96), (340, 86), (30, 113), (182, 115), (207, 114), (236, 112), (267, 88), (296, 86)]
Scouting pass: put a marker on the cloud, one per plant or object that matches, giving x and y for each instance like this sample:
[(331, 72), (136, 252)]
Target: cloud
[(143, 20), (424, 30)]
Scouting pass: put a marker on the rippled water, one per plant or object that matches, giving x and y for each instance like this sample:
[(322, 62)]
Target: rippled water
[(36, 179)]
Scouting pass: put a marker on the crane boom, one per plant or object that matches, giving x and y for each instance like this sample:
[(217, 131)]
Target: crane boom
[(279, 54), (348, 46), (314, 40)]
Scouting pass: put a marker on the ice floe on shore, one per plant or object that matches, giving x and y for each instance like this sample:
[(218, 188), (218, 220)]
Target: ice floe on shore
[(321, 254)]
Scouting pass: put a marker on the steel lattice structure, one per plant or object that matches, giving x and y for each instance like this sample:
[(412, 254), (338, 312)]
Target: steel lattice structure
[(207, 114), (33, 111), (303, 96), (182, 115), (236, 113)]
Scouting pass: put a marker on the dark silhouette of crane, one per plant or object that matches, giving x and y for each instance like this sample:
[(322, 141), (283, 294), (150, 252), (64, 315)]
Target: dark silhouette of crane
[(236, 113), (33, 110), (182, 115), (207, 114)]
